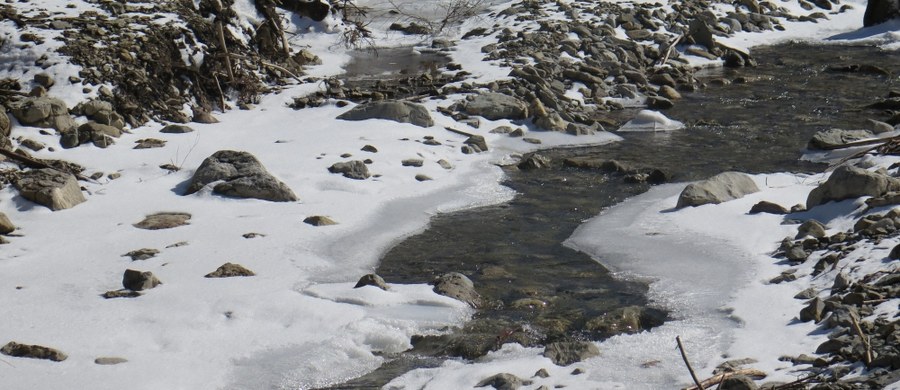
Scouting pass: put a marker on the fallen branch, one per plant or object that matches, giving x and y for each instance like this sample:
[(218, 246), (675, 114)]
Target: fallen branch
[(32, 163), (688, 364), (281, 68), (795, 383), (751, 372), (669, 49), (863, 337)]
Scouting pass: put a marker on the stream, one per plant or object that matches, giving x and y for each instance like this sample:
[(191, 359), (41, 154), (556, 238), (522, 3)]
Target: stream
[(754, 120)]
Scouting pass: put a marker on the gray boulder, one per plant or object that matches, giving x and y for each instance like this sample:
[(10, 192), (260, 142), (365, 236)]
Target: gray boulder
[(847, 182), (495, 106), (6, 226), (15, 349), (138, 281), (811, 228), (351, 169), (717, 189), (880, 11), (240, 175), (564, 353), (458, 286), (835, 138), (397, 111), (51, 188), (43, 112)]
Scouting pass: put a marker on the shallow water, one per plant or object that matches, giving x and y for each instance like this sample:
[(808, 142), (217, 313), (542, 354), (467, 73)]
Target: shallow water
[(514, 251)]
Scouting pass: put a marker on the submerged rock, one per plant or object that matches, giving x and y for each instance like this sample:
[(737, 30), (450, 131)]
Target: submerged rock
[(717, 189), (835, 138), (565, 353)]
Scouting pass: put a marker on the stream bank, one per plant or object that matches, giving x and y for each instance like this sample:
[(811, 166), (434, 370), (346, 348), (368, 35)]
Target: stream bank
[(755, 120)]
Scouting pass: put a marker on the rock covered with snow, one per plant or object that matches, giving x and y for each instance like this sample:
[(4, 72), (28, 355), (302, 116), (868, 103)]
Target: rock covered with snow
[(397, 111), (717, 189), (239, 175), (647, 120)]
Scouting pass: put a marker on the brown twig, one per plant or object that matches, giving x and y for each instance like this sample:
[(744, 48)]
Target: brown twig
[(669, 49), (688, 363), (221, 94), (32, 163), (863, 337)]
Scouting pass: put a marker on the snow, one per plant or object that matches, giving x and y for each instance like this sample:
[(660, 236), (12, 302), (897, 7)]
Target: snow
[(299, 323), (648, 120)]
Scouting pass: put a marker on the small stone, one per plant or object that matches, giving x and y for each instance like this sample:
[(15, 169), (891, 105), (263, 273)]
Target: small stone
[(149, 143), (542, 373), (371, 280), (137, 281), (809, 293), (252, 235), (421, 177), (811, 228), (120, 294), (142, 254), (229, 270), (445, 164), (534, 141), (504, 382), (796, 253), (176, 129), (109, 361), (45, 80), (370, 149), (163, 221), (15, 349), (578, 371), (412, 162), (319, 220), (177, 244), (204, 117), (114, 176), (355, 169), (738, 382)]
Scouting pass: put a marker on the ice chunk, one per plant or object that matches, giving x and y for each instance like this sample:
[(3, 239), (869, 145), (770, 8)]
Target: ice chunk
[(648, 120)]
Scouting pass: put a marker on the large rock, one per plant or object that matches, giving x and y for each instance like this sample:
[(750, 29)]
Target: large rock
[(6, 226), (51, 188), (240, 175), (458, 286), (43, 112), (495, 106), (397, 111), (32, 351), (880, 11), (564, 353), (847, 182), (835, 138), (717, 189)]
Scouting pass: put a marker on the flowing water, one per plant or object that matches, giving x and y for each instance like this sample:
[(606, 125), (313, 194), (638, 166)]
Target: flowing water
[(513, 252)]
